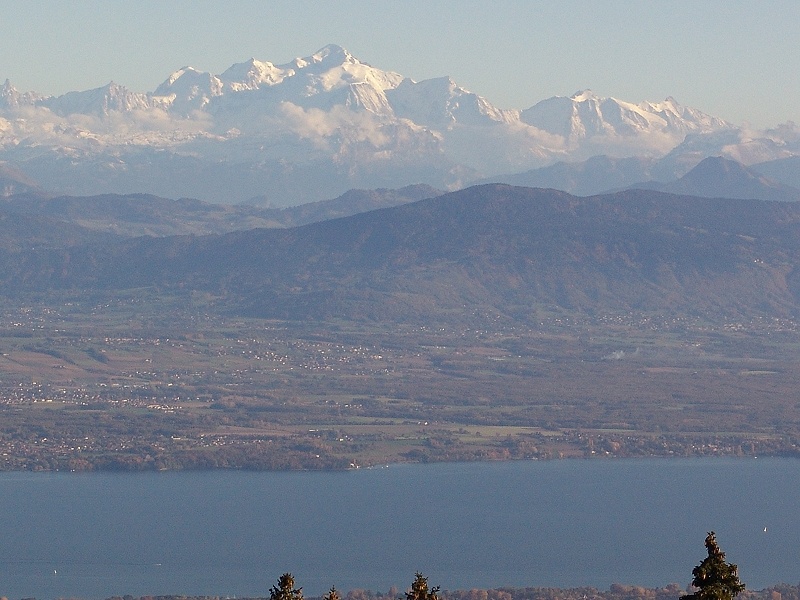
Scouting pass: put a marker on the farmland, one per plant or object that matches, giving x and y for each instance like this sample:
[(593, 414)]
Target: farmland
[(144, 382)]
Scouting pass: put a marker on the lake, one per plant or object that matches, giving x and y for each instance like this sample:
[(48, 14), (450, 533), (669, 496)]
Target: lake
[(557, 523)]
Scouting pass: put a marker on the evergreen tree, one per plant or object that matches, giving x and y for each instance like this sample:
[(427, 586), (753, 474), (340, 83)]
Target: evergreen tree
[(420, 591), (285, 589), (714, 578), (332, 594)]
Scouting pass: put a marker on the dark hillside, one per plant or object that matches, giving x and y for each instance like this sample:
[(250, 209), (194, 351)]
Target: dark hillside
[(32, 232), (134, 215), (717, 177), (493, 249), (350, 203)]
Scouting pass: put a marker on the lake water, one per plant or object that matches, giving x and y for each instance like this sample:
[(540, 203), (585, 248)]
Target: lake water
[(557, 523)]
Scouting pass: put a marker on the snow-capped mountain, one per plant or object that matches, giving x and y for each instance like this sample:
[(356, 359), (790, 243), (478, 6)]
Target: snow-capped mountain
[(585, 119), (188, 89), (323, 80), (99, 102), (319, 125), (11, 98), (441, 102), (251, 75)]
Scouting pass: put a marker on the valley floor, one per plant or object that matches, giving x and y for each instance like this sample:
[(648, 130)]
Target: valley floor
[(129, 384)]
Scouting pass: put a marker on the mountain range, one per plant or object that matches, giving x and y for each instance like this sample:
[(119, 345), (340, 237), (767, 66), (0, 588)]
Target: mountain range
[(712, 177), (717, 177), (132, 215), (491, 253), (313, 128)]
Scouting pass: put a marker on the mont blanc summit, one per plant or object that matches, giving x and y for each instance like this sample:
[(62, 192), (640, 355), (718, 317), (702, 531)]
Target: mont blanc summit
[(316, 126)]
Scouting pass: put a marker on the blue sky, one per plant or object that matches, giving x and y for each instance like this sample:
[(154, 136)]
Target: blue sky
[(736, 59)]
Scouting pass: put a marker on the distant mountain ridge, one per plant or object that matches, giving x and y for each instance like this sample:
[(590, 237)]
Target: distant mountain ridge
[(13, 181), (586, 178), (317, 126), (585, 115), (142, 214), (712, 177), (717, 177), (487, 252)]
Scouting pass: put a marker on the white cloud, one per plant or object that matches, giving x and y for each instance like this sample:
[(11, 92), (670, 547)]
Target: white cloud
[(348, 125)]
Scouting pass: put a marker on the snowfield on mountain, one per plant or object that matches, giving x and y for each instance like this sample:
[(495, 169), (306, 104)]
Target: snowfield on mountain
[(317, 126)]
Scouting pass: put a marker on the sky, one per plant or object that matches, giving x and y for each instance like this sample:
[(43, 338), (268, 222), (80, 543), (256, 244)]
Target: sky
[(734, 59)]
